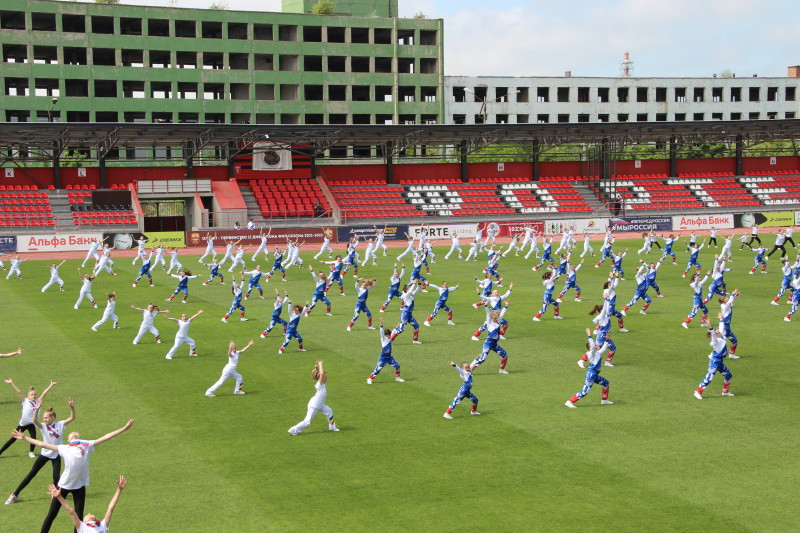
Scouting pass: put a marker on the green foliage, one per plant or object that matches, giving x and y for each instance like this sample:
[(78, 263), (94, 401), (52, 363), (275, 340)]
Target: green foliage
[(218, 6), (73, 158), (726, 73), (420, 15), (660, 456), (324, 7)]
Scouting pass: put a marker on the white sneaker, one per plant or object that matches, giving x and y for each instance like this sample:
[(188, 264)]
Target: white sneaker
[(624, 330), (608, 363), (94, 328), (371, 327), (698, 395), (399, 379), (475, 338), (223, 319), (211, 394), (32, 455), (727, 393), (606, 402), (183, 301), (193, 354), (243, 319), (578, 300), (773, 302), (581, 364), (503, 371), (558, 300), (660, 296), (535, 319), (643, 313), (787, 319), (558, 318), (369, 381), (426, 323), (328, 314), (333, 428), (292, 432), (570, 405), (11, 499), (169, 357), (239, 392), (685, 325), (263, 336), (349, 328), (448, 416), (416, 342), (381, 311), (76, 307), (451, 323), (733, 356), (301, 349), (475, 413), (623, 312)]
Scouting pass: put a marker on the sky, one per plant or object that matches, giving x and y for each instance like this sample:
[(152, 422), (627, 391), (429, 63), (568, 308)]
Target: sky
[(665, 38)]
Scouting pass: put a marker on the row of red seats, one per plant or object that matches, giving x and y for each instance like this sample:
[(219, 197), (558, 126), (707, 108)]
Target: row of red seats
[(82, 187), (27, 223), (19, 188), (424, 182), (23, 195), (769, 172), (79, 194), (704, 174), (102, 221), (493, 180), (25, 208)]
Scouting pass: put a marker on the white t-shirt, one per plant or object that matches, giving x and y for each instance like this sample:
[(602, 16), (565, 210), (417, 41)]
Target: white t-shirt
[(27, 412), (183, 328), (52, 434), (76, 464), (95, 527), (148, 316), (233, 360), (87, 285), (318, 400)]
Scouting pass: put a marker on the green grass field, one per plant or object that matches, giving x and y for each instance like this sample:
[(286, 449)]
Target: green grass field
[(656, 460)]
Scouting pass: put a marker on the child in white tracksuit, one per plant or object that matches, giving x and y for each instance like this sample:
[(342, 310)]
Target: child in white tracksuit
[(182, 336), (108, 312), (317, 402), (54, 277), (229, 371)]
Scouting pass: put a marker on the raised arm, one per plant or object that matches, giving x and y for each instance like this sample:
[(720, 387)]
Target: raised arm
[(249, 344), (11, 354), (55, 492), (21, 436), (197, 314), (44, 393), (71, 403), (113, 503), (137, 308), (109, 436), (16, 389)]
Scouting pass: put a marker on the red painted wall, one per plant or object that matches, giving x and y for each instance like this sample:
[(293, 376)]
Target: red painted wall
[(559, 168), (722, 164), (649, 166), (761, 164), (427, 171), (336, 173)]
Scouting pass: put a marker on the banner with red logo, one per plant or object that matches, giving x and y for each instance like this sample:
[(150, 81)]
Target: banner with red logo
[(252, 237)]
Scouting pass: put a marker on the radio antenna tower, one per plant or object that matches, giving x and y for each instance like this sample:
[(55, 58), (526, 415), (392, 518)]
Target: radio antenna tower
[(626, 67)]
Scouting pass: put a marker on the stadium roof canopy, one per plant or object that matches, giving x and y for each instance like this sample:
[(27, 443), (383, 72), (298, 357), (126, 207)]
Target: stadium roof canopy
[(21, 141)]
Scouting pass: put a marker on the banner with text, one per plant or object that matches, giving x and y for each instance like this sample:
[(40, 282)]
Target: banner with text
[(8, 244), (797, 218), (166, 239), (56, 243), (438, 232), (693, 222), (390, 233), (767, 220), (252, 237), (580, 225), (642, 224), (123, 241), (507, 229)]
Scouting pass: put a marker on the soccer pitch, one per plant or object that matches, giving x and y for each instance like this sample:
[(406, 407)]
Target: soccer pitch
[(658, 459)]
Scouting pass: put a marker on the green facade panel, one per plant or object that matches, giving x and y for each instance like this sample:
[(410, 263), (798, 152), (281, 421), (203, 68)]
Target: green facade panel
[(171, 64)]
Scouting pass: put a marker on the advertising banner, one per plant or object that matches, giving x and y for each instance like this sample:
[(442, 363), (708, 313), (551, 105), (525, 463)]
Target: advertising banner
[(123, 241), (767, 220), (166, 239), (446, 231), (8, 244), (693, 222), (642, 224), (580, 225), (797, 218), (67, 242), (507, 229), (253, 237), (390, 233)]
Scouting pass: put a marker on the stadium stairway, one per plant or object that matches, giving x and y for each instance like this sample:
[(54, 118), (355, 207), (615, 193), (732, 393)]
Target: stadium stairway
[(598, 207), (62, 215), (253, 210)]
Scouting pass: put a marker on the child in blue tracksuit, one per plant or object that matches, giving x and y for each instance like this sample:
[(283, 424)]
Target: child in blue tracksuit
[(717, 279), (277, 307), (549, 282), (617, 265), (386, 356), (547, 246), (237, 301), (492, 327), (641, 291), (253, 283), (291, 328), (394, 285), (493, 302), (610, 301), (698, 304), (336, 273), (321, 284), (465, 391), (605, 250), (725, 316), (492, 264), (277, 265), (214, 266), (441, 303), (416, 275), (183, 278), (407, 311), (652, 272), (563, 264), (145, 270), (363, 286), (795, 298), (484, 289), (716, 363), (788, 270), (759, 259), (694, 250), (352, 257), (603, 334), (572, 276), (594, 356), (668, 242)]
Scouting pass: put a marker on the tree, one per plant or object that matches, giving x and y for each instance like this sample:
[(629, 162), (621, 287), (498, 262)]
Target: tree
[(727, 73), (420, 15), (74, 158), (218, 6), (324, 7)]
